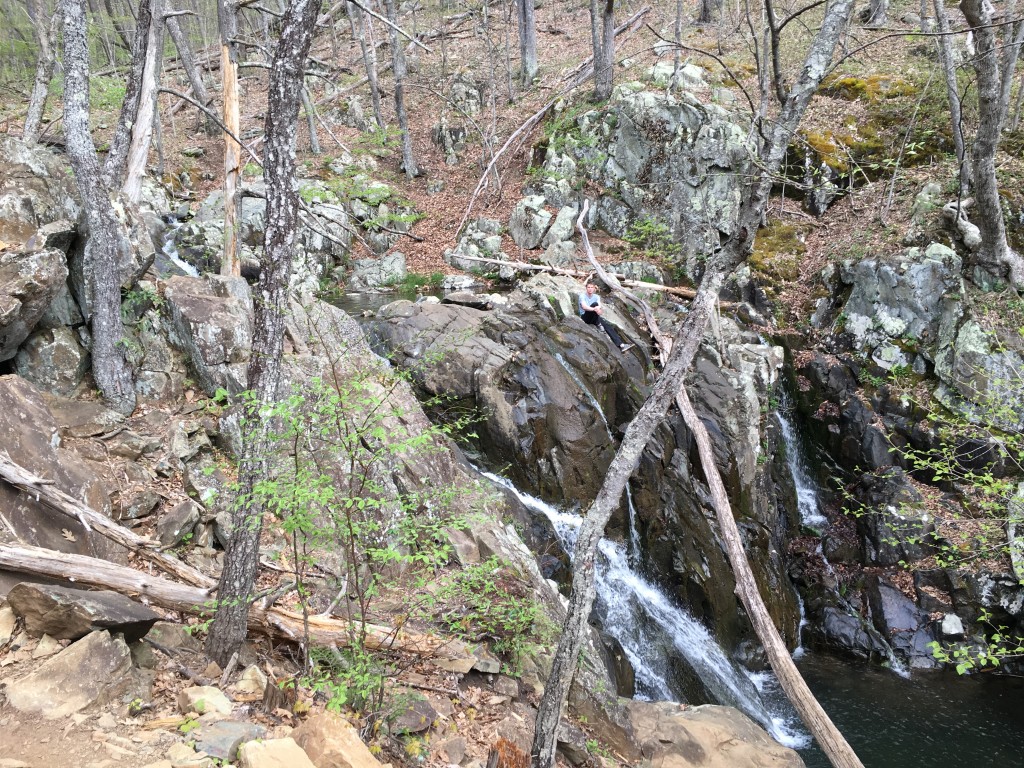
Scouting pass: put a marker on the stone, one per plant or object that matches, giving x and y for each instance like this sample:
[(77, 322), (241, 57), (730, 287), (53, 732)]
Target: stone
[(222, 738), (454, 750), (908, 629), (176, 524), (29, 282), (211, 322), (952, 627), (203, 699), (46, 646), (94, 670), (54, 360), (529, 222), (377, 273), (562, 254), (10, 762), (416, 716), (132, 506), (252, 681), (276, 753), (7, 624), (331, 741), (69, 614)]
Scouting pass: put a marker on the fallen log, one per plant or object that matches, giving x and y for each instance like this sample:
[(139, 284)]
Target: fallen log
[(279, 623), (43, 490)]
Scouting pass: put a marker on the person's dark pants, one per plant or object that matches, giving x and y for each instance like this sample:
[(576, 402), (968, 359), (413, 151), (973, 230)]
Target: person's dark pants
[(592, 318)]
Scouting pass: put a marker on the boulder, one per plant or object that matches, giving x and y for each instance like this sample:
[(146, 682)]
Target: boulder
[(676, 736), (93, 671), (29, 282), (894, 524), (529, 222), (54, 360), (275, 753), (221, 739), (36, 189), (909, 629), (481, 239), (177, 523), (29, 432), (203, 699), (562, 228), (210, 320), (331, 741), (377, 273), (69, 614)]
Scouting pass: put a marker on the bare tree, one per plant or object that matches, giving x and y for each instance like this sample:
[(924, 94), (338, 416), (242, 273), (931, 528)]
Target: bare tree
[(398, 59), (708, 11), (732, 253), (106, 245), (527, 40), (994, 74), (227, 22), (242, 557), (602, 33), (142, 130), (117, 156), (188, 63), (945, 48), (364, 28), (46, 38), (877, 13)]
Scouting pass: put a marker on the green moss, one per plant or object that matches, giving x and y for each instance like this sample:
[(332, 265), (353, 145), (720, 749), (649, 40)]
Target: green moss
[(778, 249), (872, 87)]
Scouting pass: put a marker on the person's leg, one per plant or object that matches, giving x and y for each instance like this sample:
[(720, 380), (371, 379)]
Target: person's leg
[(613, 334)]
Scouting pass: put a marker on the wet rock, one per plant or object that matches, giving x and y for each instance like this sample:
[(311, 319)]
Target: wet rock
[(275, 753), (54, 360), (29, 282), (211, 322), (330, 741), (69, 614), (94, 670), (907, 628), (848, 633), (894, 525)]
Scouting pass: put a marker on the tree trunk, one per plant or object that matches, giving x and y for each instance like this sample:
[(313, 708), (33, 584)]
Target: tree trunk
[(142, 130), (878, 13), (188, 63), (995, 257), (307, 107), (604, 57), (46, 38), (709, 11), (684, 347), (952, 96), (227, 21), (398, 59), (117, 156), (106, 242), (364, 25), (280, 128), (527, 40)]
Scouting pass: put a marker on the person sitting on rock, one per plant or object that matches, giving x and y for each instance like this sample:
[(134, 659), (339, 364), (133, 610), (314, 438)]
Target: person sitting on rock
[(591, 311)]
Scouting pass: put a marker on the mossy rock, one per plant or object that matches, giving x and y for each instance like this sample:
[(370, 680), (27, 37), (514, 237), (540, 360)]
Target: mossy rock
[(778, 249), (871, 87)]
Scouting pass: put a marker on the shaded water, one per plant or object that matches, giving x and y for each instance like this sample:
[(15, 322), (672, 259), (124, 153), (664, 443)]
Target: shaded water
[(931, 720)]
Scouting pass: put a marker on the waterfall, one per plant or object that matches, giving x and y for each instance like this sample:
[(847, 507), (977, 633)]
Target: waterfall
[(168, 260), (806, 492), (654, 632)]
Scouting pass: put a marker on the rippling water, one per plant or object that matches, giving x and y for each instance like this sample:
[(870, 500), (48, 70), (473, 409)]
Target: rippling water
[(933, 720)]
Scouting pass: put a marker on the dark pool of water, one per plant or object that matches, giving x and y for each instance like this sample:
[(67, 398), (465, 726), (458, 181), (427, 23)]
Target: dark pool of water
[(933, 720), (357, 303)]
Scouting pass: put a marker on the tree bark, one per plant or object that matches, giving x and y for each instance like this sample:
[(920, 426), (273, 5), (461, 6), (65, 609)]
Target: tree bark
[(364, 26), (227, 21), (995, 255), (527, 41), (46, 38), (242, 557), (117, 156), (307, 107), (142, 130), (684, 347), (604, 53), (878, 13), (708, 11), (398, 64), (188, 63), (952, 96), (106, 242)]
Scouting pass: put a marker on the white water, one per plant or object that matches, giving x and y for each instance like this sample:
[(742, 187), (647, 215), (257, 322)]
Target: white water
[(170, 249), (806, 492), (654, 632)]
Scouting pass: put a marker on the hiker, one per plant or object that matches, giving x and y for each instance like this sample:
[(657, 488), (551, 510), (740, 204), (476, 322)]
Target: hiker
[(591, 311)]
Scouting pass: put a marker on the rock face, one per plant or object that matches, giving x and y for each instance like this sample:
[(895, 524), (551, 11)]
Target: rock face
[(658, 157), (35, 190), (29, 282), (28, 431), (92, 671), (54, 360), (705, 737), (68, 614), (211, 322)]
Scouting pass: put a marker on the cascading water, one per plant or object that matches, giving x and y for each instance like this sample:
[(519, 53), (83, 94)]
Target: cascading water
[(653, 631), (806, 492), (168, 262)]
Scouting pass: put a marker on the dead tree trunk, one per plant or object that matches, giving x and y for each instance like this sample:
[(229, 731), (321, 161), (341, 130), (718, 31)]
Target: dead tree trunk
[(227, 21), (995, 257), (398, 59), (106, 243), (364, 27), (527, 41), (142, 130), (46, 38), (242, 558), (117, 156), (188, 63), (684, 347)]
